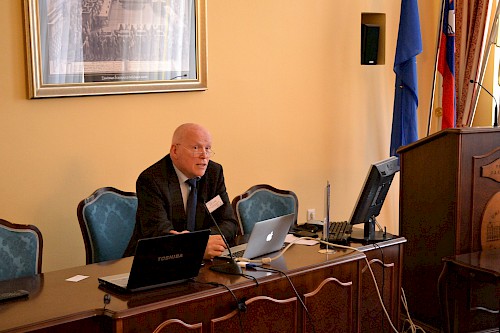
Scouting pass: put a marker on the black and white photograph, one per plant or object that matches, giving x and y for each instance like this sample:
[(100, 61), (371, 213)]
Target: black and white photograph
[(154, 45)]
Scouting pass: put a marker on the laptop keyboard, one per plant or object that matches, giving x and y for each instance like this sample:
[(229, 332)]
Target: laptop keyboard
[(238, 254)]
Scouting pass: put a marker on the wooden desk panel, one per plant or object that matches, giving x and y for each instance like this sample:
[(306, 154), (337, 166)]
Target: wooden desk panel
[(386, 263), (282, 314), (304, 265), (56, 305)]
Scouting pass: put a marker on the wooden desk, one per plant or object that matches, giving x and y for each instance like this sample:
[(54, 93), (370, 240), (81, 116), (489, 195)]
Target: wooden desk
[(469, 291), (337, 289)]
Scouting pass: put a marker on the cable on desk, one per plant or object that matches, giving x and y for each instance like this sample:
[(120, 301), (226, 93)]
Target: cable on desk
[(250, 277), (268, 260), (293, 287)]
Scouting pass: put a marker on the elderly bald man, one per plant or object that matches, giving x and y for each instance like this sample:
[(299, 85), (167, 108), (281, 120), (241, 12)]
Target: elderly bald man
[(163, 192)]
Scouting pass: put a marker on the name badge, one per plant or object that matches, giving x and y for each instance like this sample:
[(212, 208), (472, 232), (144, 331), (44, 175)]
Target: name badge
[(215, 203)]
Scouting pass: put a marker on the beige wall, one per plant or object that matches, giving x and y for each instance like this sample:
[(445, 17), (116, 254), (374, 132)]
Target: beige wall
[(288, 104)]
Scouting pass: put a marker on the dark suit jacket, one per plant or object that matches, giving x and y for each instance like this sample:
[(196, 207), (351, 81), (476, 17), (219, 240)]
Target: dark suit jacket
[(161, 209)]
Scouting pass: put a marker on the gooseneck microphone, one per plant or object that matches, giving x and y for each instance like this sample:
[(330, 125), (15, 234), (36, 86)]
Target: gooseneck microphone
[(495, 117), (230, 267)]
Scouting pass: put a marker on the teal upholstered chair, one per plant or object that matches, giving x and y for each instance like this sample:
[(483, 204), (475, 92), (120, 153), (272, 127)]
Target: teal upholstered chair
[(262, 202), (107, 220), (20, 250)]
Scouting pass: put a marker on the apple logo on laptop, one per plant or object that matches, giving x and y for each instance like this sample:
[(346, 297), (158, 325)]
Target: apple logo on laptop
[(269, 237)]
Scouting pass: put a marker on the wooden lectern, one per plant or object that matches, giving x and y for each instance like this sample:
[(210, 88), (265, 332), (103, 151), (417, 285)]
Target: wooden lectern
[(449, 192)]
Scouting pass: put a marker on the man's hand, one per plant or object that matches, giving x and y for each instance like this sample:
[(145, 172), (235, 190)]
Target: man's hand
[(215, 247), (173, 232)]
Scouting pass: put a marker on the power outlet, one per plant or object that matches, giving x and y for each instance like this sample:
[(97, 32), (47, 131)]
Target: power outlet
[(311, 214)]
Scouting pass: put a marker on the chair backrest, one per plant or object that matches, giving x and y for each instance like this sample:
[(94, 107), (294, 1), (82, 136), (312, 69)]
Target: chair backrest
[(262, 202), (20, 250), (107, 220)]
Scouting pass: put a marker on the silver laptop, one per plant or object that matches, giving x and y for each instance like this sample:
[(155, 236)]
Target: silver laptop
[(267, 236), (161, 261)]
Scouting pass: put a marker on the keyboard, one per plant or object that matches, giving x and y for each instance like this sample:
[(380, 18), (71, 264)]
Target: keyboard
[(238, 254), (10, 295), (340, 232)]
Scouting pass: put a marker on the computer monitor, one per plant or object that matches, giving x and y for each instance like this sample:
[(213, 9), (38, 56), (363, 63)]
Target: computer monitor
[(370, 201)]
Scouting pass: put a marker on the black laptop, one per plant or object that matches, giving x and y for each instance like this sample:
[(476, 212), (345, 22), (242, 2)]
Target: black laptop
[(161, 261)]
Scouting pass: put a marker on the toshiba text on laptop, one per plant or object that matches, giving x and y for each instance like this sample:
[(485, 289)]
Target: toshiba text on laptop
[(162, 261)]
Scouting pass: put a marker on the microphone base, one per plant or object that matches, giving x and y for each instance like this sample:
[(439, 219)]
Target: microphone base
[(230, 267)]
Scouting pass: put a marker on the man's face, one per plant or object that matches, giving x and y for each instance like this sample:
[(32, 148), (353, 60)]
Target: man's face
[(189, 154)]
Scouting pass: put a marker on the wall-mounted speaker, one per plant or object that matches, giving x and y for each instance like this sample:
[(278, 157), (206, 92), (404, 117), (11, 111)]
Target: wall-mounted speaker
[(369, 43)]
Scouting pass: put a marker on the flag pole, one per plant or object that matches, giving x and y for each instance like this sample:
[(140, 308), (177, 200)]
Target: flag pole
[(438, 47), (492, 34)]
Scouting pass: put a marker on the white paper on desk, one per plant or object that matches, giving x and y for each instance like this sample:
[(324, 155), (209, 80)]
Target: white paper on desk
[(296, 240), (77, 278)]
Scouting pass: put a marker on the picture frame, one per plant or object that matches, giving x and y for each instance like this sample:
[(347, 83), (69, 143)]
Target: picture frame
[(102, 47)]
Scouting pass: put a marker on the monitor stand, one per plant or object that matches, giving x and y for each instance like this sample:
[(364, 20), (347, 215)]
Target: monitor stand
[(369, 234)]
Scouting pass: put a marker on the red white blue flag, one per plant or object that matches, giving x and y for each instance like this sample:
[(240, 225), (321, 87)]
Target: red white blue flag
[(446, 65)]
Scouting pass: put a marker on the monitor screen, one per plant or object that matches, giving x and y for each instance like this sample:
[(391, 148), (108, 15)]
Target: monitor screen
[(370, 200)]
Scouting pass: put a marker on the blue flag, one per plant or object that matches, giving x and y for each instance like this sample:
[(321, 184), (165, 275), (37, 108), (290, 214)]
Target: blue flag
[(409, 45)]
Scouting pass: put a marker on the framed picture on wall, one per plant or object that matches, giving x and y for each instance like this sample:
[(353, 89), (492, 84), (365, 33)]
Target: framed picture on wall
[(101, 47)]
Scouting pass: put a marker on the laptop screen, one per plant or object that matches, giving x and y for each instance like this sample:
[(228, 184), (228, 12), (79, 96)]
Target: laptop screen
[(165, 260)]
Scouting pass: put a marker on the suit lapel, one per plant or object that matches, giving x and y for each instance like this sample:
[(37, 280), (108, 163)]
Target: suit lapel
[(177, 205)]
